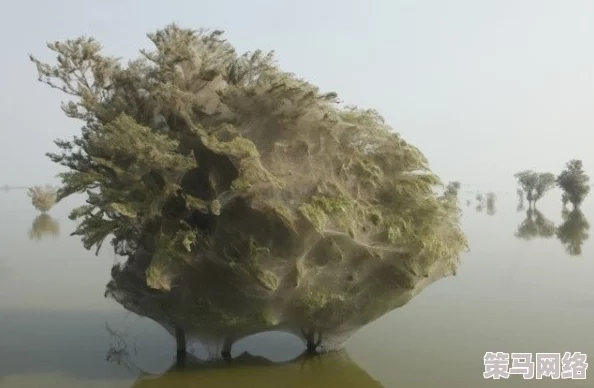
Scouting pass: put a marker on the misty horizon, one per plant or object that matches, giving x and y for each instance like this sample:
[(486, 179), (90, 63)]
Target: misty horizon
[(483, 89)]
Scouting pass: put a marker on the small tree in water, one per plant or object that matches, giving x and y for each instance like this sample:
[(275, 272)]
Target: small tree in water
[(43, 198), (574, 182), (453, 188), (535, 185)]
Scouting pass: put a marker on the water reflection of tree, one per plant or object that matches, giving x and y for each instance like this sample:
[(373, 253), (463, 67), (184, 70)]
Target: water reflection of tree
[(491, 209), (42, 225), (535, 225), (119, 351), (333, 369), (573, 232)]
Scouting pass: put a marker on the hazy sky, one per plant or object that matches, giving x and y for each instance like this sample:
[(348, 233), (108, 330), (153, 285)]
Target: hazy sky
[(483, 87)]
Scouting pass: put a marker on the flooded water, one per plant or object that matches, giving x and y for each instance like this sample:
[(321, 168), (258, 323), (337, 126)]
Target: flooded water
[(521, 288)]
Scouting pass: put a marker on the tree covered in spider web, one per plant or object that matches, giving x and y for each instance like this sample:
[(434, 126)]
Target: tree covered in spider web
[(195, 154)]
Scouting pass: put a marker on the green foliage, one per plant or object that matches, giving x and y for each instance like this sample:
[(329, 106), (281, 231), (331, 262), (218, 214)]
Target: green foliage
[(564, 199), (574, 182), (573, 232), (180, 139), (43, 198), (534, 184), (318, 208), (452, 189)]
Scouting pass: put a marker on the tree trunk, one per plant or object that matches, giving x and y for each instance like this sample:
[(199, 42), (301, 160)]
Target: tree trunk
[(227, 345), (180, 339)]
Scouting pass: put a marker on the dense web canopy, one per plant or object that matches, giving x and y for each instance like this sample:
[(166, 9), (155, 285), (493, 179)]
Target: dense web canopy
[(245, 198)]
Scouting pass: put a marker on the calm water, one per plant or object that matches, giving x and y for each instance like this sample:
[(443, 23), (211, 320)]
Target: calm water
[(511, 295)]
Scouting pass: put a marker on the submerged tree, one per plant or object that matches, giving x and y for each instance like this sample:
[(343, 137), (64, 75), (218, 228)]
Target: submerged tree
[(535, 185), (249, 370), (535, 225), (245, 199), (43, 198), (573, 232), (574, 182), (491, 209)]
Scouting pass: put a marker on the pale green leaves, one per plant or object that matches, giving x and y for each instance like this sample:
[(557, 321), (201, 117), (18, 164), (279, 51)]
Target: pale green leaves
[(574, 182), (125, 210), (191, 130)]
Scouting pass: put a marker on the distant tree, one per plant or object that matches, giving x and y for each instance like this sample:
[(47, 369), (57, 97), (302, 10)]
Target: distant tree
[(480, 199), (450, 196), (491, 210), (535, 225), (520, 206), (43, 198), (453, 188), (564, 199), (573, 232), (574, 182), (520, 193), (535, 184)]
